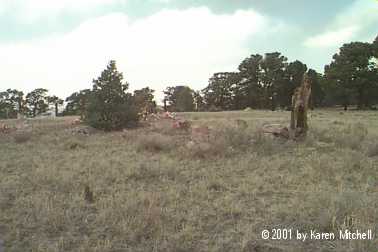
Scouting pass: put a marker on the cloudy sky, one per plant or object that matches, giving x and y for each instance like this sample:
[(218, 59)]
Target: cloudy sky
[(62, 45)]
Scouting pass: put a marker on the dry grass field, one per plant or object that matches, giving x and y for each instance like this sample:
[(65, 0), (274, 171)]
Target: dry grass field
[(152, 189)]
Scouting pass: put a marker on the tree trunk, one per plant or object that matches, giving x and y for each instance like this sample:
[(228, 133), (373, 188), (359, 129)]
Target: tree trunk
[(300, 103), (165, 105), (56, 109)]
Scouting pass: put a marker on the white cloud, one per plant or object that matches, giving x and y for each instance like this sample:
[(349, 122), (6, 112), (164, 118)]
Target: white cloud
[(332, 38), (168, 48), (32, 10), (347, 26)]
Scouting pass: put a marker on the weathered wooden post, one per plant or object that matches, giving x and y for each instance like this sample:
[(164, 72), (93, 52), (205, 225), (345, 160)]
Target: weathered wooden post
[(299, 107)]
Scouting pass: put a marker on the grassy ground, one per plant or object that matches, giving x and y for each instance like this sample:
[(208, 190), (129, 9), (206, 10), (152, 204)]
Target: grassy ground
[(155, 191)]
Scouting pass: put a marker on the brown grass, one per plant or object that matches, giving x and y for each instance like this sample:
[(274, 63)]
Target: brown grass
[(152, 189), (155, 142), (22, 136)]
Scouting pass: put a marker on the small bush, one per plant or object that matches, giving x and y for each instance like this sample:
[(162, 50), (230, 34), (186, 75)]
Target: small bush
[(351, 136), (155, 143), (323, 135), (236, 138), (22, 136), (372, 150), (221, 143), (73, 145), (217, 147)]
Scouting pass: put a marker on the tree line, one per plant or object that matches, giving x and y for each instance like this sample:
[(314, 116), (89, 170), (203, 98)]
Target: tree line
[(14, 102), (261, 82), (268, 82)]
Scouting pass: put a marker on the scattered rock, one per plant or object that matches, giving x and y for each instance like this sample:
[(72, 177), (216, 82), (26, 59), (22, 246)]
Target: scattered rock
[(82, 130), (182, 124), (76, 122), (277, 130)]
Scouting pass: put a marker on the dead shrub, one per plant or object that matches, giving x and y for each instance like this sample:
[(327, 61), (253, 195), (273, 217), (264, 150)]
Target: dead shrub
[(336, 122), (22, 136), (217, 147), (220, 143), (235, 138), (268, 144), (182, 125), (241, 124), (372, 150), (147, 217), (322, 135), (155, 142), (75, 145), (200, 133), (351, 136)]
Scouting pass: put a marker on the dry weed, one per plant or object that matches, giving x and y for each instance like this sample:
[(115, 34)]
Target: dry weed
[(155, 142)]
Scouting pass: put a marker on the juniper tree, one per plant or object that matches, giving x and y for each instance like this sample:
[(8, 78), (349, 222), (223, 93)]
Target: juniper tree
[(110, 107)]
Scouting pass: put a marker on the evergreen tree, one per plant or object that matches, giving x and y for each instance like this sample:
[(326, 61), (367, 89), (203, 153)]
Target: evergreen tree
[(110, 107), (37, 101), (179, 98), (56, 101), (353, 73), (77, 103), (219, 91)]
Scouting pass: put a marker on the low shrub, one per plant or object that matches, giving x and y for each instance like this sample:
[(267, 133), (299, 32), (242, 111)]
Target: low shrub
[(350, 136), (22, 136), (217, 147), (236, 137), (155, 142), (372, 150)]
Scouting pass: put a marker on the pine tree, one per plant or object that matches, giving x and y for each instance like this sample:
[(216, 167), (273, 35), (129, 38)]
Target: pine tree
[(110, 106)]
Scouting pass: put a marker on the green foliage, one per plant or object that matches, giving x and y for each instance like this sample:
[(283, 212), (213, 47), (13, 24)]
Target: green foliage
[(219, 91), (11, 102), (56, 101), (180, 98), (354, 75), (110, 107), (144, 100), (249, 92), (77, 103), (273, 68), (198, 101), (37, 101), (269, 81), (261, 82), (293, 76), (317, 92)]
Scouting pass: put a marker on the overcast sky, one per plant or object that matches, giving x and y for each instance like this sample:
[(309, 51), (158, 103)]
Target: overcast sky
[(62, 45)]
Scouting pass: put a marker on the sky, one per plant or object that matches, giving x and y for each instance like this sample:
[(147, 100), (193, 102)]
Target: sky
[(62, 45)]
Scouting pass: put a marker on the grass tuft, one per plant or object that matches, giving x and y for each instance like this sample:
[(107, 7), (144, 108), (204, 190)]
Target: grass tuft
[(22, 136), (155, 142)]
